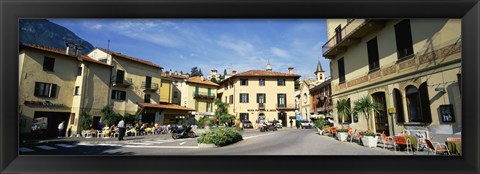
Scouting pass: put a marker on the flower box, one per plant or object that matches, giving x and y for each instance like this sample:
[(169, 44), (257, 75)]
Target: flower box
[(342, 136), (369, 141)]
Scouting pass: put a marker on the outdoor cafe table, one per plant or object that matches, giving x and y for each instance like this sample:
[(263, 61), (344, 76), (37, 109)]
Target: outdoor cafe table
[(455, 147), (413, 143)]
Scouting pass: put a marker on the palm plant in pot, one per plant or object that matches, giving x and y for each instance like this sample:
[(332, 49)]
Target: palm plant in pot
[(343, 108), (320, 123), (364, 106)]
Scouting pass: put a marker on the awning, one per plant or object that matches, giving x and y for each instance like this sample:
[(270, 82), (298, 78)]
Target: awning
[(165, 106)]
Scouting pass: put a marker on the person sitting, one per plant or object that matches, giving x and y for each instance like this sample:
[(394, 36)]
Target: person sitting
[(141, 130)]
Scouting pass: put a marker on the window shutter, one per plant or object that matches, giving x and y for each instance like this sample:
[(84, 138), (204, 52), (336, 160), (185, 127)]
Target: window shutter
[(258, 98), (425, 103), (37, 89), (247, 98), (53, 92), (123, 95), (264, 98)]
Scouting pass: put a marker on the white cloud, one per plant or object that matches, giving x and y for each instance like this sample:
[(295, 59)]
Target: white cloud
[(240, 46), (279, 52), (96, 26)]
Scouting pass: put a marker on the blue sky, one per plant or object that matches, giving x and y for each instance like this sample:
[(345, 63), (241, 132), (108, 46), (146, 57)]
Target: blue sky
[(232, 44)]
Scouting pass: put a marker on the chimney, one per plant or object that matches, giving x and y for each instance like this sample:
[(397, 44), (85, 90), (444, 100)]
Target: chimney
[(234, 72), (202, 78), (69, 49), (290, 70), (78, 52)]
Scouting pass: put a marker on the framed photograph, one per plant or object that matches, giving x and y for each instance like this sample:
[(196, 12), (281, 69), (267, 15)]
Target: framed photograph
[(308, 86)]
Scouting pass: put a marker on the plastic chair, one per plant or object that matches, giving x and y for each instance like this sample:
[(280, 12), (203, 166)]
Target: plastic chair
[(454, 139), (437, 147), (402, 140)]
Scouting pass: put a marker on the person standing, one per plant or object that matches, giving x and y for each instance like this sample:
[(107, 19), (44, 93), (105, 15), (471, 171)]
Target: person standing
[(61, 127), (121, 129), (291, 123)]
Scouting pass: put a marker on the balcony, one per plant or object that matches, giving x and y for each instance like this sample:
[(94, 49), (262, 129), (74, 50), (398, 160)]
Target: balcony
[(349, 35), (261, 106), (122, 82), (289, 106), (326, 108), (149, 86), (203, 95)]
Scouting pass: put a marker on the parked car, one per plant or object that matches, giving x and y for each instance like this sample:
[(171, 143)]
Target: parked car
[(247, 124), (306, 124)]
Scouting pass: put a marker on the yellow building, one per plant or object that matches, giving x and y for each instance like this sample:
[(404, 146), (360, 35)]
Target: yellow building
[(133, 81), (262, 95), (200, 94), (411, 65), (58, 85)]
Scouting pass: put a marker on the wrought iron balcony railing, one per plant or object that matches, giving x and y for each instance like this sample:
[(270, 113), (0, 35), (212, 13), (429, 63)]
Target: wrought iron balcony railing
[(150, 86), (261, 105), (203, 95), (122, 82)]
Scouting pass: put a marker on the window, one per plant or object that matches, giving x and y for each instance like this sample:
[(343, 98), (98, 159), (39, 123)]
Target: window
[(372, 49), (118, 95), (148, 82), (120, 76), (77, 90), (209, 107), (243, 82), (79, 71), (243, 98), (413, 104), (196, 90), (261, 98), (338, 33), (397, 98), (280, 82), (243, 116), (305, 98), (175, 94), (231, 99), (341, 70), (403, 36), (261, 82), (104, 60), (209, 92), (48, 64), (146, 98), (281, 100), (45, 89)]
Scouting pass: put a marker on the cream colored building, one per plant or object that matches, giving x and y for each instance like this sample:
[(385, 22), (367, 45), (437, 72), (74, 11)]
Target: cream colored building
[(59, 85), (260, 95), (133, 81), (305, 96), (411, 65)]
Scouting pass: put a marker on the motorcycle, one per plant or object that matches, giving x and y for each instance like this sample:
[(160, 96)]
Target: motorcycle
[(265, 127), (182, 132)]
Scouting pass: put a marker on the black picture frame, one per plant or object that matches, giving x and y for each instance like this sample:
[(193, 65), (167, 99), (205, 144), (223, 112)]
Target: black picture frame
[(11, 11)]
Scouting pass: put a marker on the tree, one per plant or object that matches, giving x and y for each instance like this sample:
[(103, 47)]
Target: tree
[(181, 72), (85, 121), (200, 72), (194, 71), (224, 72), (110, 117), (221, 113), (365, 106), (343, 108)]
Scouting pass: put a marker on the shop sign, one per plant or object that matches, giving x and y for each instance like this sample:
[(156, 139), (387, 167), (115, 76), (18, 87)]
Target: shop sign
[(42, 104), (446, 113)]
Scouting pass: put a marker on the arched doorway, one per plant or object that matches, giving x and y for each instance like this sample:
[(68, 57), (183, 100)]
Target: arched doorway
[(398, 103), (418, 104), (381, 119)]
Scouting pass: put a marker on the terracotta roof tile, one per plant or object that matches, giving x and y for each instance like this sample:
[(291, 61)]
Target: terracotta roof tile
[(174, 76), (165, 106), (264, 73), (131, 58), (62, 52), (198, 80)]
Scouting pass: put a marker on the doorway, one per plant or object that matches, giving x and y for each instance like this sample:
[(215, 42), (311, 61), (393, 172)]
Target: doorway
[(261, 118), (381, 117), (283, 116), (53, 120)]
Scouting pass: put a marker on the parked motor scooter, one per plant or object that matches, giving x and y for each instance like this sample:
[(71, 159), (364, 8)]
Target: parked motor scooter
[(265, 127), (182, 132)]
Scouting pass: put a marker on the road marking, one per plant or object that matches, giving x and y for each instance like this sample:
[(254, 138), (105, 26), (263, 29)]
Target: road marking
[(164, 147), (182, 143), (65, 145), (141, 143), (255, 136), (24, 149), (45, 147)]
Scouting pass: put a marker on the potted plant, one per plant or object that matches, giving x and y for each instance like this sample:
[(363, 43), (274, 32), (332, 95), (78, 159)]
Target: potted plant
[(320, 123), (369, 139), (342, 134), (343, 109), (365, 106)]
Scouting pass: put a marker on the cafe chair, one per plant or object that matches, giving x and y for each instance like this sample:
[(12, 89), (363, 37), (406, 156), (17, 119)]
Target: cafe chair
[(387, 140), (437, 147), (402, 140), (454, 139)]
